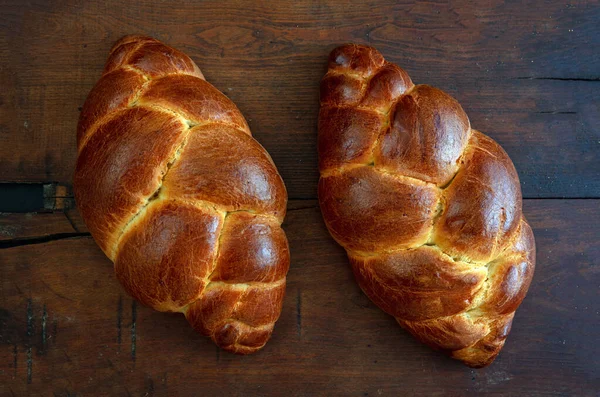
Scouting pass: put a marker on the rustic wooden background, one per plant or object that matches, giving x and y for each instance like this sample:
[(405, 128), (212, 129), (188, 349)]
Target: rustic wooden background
[(527, 74)]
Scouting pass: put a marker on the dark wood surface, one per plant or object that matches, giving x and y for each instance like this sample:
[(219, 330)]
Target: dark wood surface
[(527, 75), (68, 327)]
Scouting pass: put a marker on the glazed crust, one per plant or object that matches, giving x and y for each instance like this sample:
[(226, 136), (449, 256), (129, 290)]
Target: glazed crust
[(427, 208), (180, 197)]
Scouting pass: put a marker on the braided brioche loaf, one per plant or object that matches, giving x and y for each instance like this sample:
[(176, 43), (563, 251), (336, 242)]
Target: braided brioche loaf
[(428, 209), (180, 197)]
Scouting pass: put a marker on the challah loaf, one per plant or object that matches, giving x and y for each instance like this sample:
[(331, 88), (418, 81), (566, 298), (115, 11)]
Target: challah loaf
[(428, 209), (180, 197)]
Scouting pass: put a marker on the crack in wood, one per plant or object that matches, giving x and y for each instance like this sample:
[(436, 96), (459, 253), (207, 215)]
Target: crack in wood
[(29, 365), (133, 329), (119, 320), (15, 358), (302, 208), (44, 339), (29, 334), (71, 222), (29, 318), (18, 242)]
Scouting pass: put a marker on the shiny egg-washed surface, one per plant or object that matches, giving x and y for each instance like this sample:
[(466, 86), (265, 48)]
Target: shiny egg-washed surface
[(428, 209), (180, 197)]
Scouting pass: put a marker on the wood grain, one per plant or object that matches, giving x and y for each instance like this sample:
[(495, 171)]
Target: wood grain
[(68, 327), (526, 74), (31, 225)]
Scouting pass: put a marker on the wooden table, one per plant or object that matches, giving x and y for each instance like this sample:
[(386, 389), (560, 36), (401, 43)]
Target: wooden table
[(528, 75)]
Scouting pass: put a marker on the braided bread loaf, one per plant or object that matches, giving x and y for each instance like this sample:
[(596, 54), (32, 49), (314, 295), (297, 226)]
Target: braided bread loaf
[(428, 209), (180, 197)]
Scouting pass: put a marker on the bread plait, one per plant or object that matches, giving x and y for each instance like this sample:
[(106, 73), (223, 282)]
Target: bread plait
[(180, 197), (427, 208)]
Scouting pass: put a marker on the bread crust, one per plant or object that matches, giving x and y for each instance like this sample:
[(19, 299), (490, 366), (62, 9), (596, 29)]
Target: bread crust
[(427, 208), (180, 197)]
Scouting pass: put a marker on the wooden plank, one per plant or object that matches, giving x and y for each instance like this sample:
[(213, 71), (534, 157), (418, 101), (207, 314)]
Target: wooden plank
[(33, 225), (527, 75), (68, 328)]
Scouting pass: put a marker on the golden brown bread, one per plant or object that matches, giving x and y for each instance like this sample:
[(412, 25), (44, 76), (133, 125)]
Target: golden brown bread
[(180, 197), (428, 210)]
